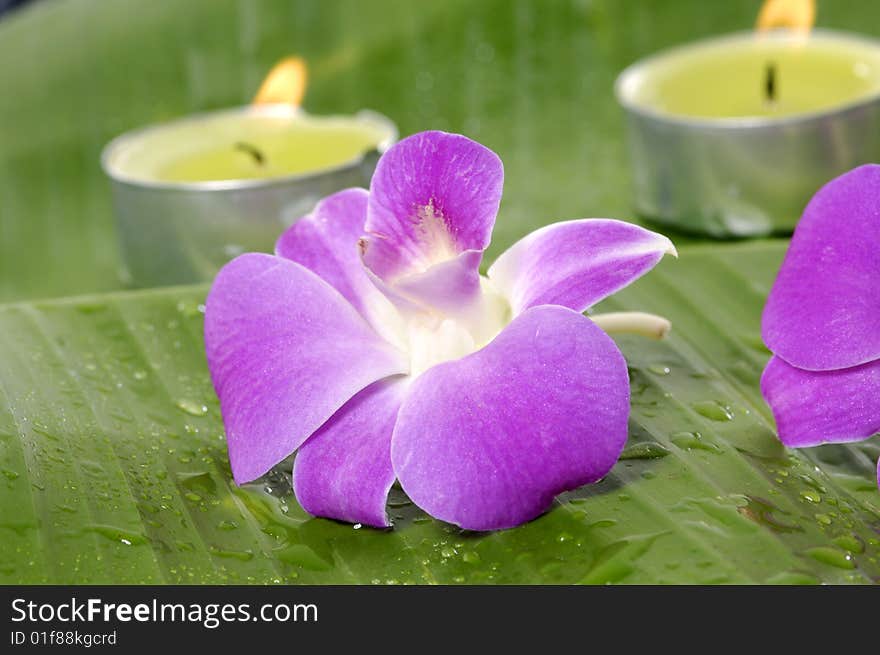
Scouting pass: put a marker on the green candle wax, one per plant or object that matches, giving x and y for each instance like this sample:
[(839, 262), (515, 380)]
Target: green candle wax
[(248, 144), (273, 151), (728, 77)]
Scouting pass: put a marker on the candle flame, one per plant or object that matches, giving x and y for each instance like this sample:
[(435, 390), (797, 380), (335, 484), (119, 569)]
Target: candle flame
[(797, 15), (285, 83)]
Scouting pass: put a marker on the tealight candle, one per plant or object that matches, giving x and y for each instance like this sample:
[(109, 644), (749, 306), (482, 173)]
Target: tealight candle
[(193, 193), (257, 143), (732, 135)]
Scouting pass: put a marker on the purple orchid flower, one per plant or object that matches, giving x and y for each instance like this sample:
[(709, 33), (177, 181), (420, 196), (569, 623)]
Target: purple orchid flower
[(372, 346), (822, 319)]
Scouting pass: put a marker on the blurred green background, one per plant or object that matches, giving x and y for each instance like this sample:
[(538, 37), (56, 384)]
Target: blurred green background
[(532, 80), (113, 464)]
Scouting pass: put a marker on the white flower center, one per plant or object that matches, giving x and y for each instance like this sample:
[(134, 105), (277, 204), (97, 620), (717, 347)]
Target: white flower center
[(433, 338)]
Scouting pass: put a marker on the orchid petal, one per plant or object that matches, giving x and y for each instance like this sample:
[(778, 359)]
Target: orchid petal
[(433, 197), (451, 286), (487, 441), (824, 309), (326, 243), (343, 471), (576, 263), (285, 351), (816, 407)]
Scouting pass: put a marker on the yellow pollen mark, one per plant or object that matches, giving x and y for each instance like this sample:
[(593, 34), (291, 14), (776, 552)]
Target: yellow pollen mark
[(433, 235)]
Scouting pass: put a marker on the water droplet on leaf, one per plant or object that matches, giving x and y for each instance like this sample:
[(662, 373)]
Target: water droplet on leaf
[(713, 410), (832, 557), (645, 450), (192, 408)]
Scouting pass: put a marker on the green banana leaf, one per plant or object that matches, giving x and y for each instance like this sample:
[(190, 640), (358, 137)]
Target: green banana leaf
[(113, 466)]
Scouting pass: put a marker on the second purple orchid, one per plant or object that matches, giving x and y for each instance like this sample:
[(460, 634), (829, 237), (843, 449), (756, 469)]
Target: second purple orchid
[(822, 319), (371, 346)]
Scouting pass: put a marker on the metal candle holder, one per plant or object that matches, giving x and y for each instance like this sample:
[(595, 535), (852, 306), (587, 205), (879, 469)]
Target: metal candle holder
[(740, 176), (183, 232)]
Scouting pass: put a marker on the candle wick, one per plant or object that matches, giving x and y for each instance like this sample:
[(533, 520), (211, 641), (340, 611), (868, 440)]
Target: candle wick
[(253, 151), (770, 82)]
